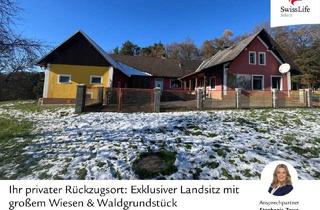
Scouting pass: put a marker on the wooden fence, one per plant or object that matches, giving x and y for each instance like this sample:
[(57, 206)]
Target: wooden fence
[(315, 99), (259, 99), (154, 100), (177, 100), (129, 100)]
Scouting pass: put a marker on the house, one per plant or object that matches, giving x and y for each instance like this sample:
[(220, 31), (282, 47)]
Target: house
[(251, 65), (79, 60)]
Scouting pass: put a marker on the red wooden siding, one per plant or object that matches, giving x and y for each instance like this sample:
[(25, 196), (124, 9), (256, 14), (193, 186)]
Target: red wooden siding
[(122, 81), (119, 79), (241, 65)]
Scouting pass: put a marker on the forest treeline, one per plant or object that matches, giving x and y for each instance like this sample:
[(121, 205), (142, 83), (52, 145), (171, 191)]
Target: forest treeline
[(21, 86)]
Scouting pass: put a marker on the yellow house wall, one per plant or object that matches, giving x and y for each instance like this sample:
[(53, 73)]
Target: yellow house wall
[(79, 75)]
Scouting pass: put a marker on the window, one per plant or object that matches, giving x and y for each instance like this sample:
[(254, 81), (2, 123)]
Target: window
[(159, 83), (244, 81), (212, 83), (262, 58), (174, 83), (64, 78), (252, 58), (276, 82), (257, 83), (96, 79)]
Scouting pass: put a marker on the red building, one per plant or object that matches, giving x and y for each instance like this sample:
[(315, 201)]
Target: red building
[(252, 65), (151, 72)]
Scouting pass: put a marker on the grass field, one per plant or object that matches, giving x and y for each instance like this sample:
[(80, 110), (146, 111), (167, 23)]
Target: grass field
[(15, 135), (54, 143)]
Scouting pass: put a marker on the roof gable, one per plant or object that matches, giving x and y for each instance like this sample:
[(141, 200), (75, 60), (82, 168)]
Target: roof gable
[(226, 55), (77, 50), (233, 52), (80, 49)]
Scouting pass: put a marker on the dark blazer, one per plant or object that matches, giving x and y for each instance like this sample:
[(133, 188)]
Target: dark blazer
[(281, 191)]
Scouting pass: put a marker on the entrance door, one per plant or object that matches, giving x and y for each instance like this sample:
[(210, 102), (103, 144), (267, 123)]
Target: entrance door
[(276, 83), (158, 83)]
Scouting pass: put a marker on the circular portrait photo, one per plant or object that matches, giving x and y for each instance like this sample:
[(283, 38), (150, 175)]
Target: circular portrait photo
[(280, 177), (281, 184)]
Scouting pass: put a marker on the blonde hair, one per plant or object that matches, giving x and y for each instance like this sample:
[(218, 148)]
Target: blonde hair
[(275, 178)]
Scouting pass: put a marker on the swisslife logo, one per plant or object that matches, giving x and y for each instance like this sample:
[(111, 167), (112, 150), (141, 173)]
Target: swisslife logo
[(294, 12), (288, 11)]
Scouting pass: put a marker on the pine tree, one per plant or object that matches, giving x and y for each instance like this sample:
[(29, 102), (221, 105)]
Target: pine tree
[(129, 48)]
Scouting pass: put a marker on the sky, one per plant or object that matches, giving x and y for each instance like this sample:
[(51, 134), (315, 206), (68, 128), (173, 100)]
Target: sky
[(144, 22)]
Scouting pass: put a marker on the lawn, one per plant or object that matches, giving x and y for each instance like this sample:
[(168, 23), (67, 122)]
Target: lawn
[(54, 143), (15, 135)]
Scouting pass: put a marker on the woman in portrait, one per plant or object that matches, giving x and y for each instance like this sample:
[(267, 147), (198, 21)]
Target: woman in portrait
[(281, 184)]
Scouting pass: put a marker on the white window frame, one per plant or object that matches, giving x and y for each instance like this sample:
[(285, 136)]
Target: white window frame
[(215, 81), (64, 75), (175, 87), (281, 81), (92, 76), (255, 57), (257, 75), (265, 58)]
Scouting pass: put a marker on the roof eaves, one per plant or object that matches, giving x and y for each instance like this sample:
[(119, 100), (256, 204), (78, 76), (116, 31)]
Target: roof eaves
[(130, 71), (205, 62)]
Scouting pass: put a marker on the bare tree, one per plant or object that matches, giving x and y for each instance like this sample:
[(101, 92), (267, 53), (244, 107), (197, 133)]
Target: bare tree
[(207, 49), (223, 41), (241, 37), (189, 50), (16, 52), (185, 50), (172, 50)]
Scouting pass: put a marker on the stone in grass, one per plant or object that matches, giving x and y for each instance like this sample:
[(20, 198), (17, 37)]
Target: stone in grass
[(153, 164)]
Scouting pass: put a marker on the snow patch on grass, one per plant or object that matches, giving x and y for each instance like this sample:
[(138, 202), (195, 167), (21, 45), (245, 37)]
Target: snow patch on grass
[(232, 144)]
